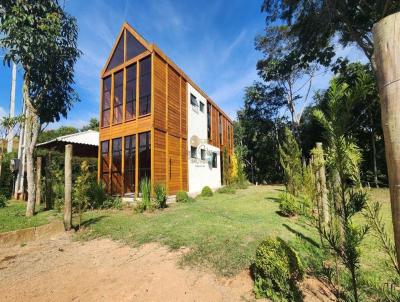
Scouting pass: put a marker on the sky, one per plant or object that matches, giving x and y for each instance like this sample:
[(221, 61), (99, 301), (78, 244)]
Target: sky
[(211, 40)]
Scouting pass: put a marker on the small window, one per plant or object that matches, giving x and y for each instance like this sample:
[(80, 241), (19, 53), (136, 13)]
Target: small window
[(203, 154), (201, 106), (193, 151), (214, 160), (193, 100)]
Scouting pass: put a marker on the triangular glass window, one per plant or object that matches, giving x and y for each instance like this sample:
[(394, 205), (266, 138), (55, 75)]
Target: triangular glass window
[(133, 46), (118, 55)]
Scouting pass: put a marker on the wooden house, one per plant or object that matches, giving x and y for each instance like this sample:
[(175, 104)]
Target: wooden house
[(155, 122)]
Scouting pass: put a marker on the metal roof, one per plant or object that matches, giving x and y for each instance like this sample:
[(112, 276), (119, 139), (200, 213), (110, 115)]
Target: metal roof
[(89, 137)]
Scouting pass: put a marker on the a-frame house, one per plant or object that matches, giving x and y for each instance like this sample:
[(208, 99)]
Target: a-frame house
[(156, 123)]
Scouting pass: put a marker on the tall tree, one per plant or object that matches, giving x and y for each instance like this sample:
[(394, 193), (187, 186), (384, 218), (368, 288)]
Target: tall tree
[(42, 38), (315, 26)]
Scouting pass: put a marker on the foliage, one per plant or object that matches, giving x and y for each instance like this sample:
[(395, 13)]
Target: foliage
[(226, 168), (182, 196), (346, 196), (290, 158), (3, 201), (81, 191), (288, 205), (206, 192), (6, 177), (145, 191), (277, 269), (160, 195), (93, 125), (226, 190)]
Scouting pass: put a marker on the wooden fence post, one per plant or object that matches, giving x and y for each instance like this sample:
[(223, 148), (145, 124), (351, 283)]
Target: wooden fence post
[(68, 188), (322, 187), (38, 182), (386, 36)]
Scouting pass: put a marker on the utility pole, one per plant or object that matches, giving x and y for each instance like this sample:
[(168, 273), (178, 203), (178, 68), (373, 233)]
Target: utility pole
[(19, 182), (10, 136)]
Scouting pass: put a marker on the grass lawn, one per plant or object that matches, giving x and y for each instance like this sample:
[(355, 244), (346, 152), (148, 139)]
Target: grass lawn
[(223, 231), (12, 217)]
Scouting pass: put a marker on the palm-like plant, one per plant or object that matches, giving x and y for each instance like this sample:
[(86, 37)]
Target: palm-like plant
[(343, 160)]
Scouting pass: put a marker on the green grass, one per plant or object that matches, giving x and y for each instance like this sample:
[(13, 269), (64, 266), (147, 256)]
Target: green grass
[(12, 217), (222, 232)]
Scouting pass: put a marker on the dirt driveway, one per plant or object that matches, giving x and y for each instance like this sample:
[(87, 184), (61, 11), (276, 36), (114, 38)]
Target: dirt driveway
[(59, 269)]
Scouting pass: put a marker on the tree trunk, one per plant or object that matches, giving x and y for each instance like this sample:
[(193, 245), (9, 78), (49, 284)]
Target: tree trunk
[(38, 181), (324, 191), (68, 188), (21, 156), (10, 136), (387, 58), (32, 125)]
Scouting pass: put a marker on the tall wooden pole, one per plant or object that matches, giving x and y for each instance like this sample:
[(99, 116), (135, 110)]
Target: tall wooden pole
[(68, 188), (38, 181), (387, 61), (10, 136), (322, 187)]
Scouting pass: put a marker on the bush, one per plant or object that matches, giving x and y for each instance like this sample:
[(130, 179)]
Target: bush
[(182, 196), (277, 269), (6, 177), (288, 205), (3, 201), (97, 195), (160, 195), (206, 192), (112, 202), (145, 190), (226, 190)]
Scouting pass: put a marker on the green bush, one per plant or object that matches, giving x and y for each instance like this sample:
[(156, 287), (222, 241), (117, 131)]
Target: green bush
[(241, 185), (3, 201), (182, 196), (145, 190), (226, 190), (160, 195), (206, 192), (112, 202), (6, 177), (288, 204), (276, 270), (97, 195)]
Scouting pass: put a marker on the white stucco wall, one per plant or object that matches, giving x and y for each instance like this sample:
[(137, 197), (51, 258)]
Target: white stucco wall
[(200, 172)]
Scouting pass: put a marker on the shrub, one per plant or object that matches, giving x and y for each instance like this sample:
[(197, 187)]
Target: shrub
[(112, 202), (226, 190), (277, 269), (288, 205), (97, 195), (160, 195), (81, 191), (6, 177), (3, 201), (206, 192), (182, 196), (241, 185), (145, 190)]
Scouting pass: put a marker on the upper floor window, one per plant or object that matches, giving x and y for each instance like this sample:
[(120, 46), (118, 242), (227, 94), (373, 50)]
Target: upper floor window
[(106, 102), (118, 97), (193, 100), (193, 152), (201, 106), (130, 107), (133, 46), (145, 86), (214, 160), (118, 55), (203, 154)]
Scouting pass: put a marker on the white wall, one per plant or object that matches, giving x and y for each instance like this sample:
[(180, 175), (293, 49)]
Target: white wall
[(201, 173)]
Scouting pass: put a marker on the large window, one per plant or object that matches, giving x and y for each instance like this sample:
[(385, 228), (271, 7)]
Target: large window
[(118, 55), (118, 96), (133, 46), (208, 120), (145, 86), (144, 155), (106, 99), (130, 107), (116, 175), (130, 163), (105, 163)]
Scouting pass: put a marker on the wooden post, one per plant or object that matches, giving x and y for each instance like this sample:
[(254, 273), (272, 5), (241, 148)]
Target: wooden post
[(49, 187), (68, 188), (386, 35), (38, 181), (322, 186)]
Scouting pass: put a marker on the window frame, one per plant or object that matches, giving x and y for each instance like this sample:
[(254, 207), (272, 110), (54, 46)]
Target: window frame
[(147, 146), (201, 105), (108, 109), (116, 171), (193, 103), (214, 161), (130, 151), (193, 152), (202, 154), (134, 100), (147, 96), (120, 106)]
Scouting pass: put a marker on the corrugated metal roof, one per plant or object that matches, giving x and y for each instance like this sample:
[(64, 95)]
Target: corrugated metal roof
[(89, 137)]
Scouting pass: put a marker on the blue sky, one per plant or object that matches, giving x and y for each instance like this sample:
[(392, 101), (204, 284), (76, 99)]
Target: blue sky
[(211, 40)]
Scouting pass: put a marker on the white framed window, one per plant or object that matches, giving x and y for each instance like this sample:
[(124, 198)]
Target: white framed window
[(193, 100), (201, 106), (203, 154), (193, 152)]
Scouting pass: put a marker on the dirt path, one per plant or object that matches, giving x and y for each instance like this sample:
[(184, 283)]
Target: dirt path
[(104, 270)]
